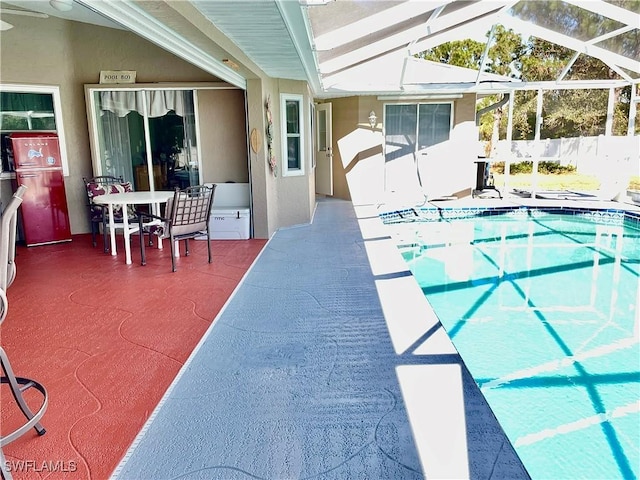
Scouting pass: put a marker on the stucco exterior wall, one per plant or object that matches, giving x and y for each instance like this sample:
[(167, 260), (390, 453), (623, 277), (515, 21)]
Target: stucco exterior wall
[(68, 54), (223, 136), (359, 166), (75, 55), (357, 161), (294, 192), (262, 181), (278, 201)]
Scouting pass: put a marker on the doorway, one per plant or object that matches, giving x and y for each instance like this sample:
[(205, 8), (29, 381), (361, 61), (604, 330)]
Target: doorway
[(323, 149), (413, 133)]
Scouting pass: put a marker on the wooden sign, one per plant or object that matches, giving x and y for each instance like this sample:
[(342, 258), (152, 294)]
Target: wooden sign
[(118, 76)]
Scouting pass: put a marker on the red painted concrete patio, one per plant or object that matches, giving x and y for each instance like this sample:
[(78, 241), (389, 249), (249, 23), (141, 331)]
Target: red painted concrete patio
[(106, 339)]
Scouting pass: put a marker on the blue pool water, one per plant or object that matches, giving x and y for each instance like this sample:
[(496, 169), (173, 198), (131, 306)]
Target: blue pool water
[(544, 310)]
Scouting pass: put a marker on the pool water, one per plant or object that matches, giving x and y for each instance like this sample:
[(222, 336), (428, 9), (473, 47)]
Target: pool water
[(544, 310)]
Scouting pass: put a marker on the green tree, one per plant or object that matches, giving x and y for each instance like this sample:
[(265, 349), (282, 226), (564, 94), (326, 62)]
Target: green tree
[(461, 53), (569, 113), (503, 58), (566, 113)]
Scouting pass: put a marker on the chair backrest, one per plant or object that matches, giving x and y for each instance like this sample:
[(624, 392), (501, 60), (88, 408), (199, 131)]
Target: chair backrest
[(189, 209), (103, 180), (104, 185), (8, 226)]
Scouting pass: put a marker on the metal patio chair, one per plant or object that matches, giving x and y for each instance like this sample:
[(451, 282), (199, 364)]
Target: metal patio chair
[(99, 214), (186, 217), (17, 384)]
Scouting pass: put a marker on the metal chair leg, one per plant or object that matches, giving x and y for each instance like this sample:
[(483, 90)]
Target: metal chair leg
[(5, 472), (173, 257), (94, 230), (105, 243), (143, 258), (19, 385)]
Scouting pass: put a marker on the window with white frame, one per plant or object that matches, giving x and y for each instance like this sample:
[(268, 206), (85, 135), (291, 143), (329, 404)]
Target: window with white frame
[(30, 108), (292, 148)]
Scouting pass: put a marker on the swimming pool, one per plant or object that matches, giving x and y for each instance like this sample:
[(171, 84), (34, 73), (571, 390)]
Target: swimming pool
[(543, 307)]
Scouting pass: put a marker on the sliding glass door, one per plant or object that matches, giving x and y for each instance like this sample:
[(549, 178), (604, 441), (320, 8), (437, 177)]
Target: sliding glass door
[(146, 136), (412, 135)]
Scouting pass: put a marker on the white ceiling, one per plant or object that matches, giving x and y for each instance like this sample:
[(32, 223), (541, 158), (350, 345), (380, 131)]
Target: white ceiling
[(78, 13), (259, 29), (360, 46)]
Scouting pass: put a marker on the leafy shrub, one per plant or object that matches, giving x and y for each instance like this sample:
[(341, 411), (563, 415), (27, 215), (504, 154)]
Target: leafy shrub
[(555, 168), (521, 167), (526, 166), (497, 167)]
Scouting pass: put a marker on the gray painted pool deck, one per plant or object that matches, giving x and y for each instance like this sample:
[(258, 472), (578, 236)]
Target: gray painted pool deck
[(326, 363)]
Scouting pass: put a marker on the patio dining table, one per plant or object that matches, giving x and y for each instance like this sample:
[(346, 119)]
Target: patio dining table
[(124, 199)]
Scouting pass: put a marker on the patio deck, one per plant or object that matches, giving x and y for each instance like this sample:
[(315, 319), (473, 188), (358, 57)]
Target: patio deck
[(326, 362), (324, 365), (106, 339)]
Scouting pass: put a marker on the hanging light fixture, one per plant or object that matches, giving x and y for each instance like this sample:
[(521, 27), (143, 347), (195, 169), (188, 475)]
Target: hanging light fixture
[(373, 119), (61, 5)]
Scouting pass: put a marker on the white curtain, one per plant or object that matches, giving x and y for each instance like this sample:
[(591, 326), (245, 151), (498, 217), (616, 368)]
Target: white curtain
[(159, 102), (116, 157)]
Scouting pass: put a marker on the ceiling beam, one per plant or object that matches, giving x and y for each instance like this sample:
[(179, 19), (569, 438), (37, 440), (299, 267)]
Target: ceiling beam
[(451, 34), (384, 19), (400, 40), (26, 13), (608, 57), (481, 89), (506, 87), (296, 20), (609, 10)]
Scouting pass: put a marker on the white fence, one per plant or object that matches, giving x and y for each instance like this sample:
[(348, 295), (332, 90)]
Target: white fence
[(590, 155)]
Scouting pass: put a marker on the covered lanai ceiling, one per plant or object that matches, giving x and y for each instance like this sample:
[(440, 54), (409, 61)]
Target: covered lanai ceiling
[(350, 47)]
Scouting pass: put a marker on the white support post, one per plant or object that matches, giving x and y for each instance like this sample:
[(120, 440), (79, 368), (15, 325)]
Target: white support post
[(509, 139), (633, 109), (608, 130), (538, 115), (534, 171)]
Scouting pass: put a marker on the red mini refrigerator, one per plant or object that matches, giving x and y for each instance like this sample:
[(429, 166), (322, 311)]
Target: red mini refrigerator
[(44, 213)]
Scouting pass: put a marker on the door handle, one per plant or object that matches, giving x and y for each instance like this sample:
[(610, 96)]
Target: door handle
[(27, 175)]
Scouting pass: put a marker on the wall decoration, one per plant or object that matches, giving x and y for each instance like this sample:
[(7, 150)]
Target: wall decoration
[(255, 141), (271, 157)]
